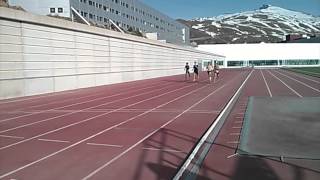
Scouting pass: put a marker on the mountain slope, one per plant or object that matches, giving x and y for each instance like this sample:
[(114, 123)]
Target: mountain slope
[(267, 24)]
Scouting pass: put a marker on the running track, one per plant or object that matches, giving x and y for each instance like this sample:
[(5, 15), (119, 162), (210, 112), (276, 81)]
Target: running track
[(223, 163), (137, 130)]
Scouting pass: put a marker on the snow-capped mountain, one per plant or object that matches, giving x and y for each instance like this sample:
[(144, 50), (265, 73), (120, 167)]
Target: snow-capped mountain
[(267, 24)]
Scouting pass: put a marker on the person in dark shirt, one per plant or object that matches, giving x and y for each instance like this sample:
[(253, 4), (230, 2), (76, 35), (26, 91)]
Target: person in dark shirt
[(186, 68), (195, 72)]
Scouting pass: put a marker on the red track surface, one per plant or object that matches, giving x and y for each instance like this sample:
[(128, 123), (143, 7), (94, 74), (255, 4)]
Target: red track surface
[(222, 163), (137, 130)]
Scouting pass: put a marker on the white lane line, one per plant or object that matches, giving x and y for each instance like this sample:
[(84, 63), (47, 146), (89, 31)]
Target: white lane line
[(94, 99), (164, 150), (234, 134), (56, 94), (296, 74), (286, 85), (233, 155), (82, 102), (107, 145), (53, 140), (233, 142), (239, 117), (237, 127), (299, 82), (79, 122), (13, 137), (101, 132), (265, 81), (149, 135), (208, 132), (238, 122), (83, 110)]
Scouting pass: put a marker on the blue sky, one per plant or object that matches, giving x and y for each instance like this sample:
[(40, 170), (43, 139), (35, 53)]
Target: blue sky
[(189, 9)]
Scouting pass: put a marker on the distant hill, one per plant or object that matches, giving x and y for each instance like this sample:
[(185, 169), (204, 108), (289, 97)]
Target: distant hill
[(266, 24)]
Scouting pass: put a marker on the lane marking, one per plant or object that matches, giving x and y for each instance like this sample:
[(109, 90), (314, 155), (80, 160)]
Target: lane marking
[(74, 112), (107, 145), (286, 85), (298, 75), (265, 82), (57, 108), (233, 155), (235, 134), (13, 137), (164, 150), (238, 122), (237, 127), (233, 142), (149, 135), (53, 94), (239, 117), (94, 99), (208, 132), (299, 82), (79, 122), (101, 132), (53, 140)]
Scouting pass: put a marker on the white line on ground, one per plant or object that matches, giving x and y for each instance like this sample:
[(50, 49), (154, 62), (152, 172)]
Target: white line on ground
[(55, 117), (101, 132), (235, 134), (239, 117), (82, 102), (208, 132), (164, 150), (107, 145), (233, 155), (53, 140), (13, 137), (264, 79), (233, 142), (237, 127), (242, 113), (286, 85), (299, 82), (295, 74), (98, 98), (238, 122), (149, 135), (79, 122)]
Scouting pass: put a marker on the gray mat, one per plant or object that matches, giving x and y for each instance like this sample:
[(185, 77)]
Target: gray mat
[(282, 126)]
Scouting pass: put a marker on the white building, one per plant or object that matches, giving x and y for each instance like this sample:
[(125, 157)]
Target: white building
[(267, 55), (125, 13)]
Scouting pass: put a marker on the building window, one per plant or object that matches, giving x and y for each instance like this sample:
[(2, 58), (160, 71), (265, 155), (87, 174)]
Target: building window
[(60, 10), (90, 2), (52, 10)]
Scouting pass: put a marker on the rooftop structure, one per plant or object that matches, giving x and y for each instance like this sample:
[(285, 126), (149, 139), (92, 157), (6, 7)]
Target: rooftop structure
[(128, 14)]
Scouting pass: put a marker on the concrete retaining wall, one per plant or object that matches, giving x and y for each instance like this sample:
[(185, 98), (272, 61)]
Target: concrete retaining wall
[(39, 55)]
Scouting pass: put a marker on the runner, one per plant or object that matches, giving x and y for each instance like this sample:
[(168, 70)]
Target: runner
[(187, 75), (216, 71), (210, 71), (195, 72)]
